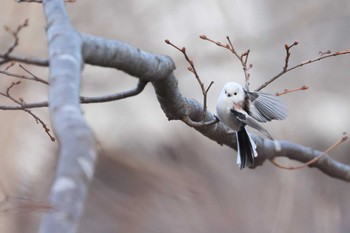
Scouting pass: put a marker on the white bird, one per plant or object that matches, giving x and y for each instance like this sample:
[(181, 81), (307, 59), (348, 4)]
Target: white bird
[(237, 108)]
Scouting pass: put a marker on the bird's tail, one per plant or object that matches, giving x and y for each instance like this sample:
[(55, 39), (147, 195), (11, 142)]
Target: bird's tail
[(246, 149)]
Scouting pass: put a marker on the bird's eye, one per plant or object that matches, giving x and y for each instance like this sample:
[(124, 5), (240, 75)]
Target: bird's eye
[(235, 93)]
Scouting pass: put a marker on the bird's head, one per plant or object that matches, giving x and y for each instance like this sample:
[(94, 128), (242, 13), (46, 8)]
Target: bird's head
[(233, 93)]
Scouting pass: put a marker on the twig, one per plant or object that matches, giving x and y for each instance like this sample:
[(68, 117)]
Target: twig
[(288, 47), (32, 76), (117, 96), (15, 36), (194, 71), (12, 63), (24, 59), (6, 57), (243, 58), (321, 53), (85, 100), (286, 91), (321, 57), (21, 103), (329, 149)]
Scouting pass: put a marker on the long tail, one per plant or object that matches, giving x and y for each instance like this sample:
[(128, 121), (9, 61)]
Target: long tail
[(246, 149)]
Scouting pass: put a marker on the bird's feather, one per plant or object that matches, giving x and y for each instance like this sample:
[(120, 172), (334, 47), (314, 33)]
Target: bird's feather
[(266, 107), (246, 149), (245, 119)]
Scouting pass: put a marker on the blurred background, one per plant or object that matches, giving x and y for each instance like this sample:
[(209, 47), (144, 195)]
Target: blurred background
[(156, 175)]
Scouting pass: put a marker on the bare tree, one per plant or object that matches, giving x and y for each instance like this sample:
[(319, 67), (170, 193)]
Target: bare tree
[(69, 50)]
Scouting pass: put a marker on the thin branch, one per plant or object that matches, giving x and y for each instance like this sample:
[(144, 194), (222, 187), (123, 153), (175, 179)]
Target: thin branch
[(286, 91), (21, 103), (312, 161), (15, 36), (288, 47), (7, 56), (194, 71), (117, 96), (321, 57), (85, 100), (243, 58), (12, 63), (32, 77), (24, 59)]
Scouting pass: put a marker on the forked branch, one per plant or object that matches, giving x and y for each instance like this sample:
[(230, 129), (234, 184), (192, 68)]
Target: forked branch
[(243, 58), (21, 105), (322, 55), (14, 34), (201, 84)]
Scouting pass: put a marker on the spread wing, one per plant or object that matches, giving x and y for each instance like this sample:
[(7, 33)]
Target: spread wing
[(266, 107), (245, 119)]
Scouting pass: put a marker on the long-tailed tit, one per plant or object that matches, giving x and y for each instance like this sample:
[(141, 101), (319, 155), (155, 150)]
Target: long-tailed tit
[(237, 108)]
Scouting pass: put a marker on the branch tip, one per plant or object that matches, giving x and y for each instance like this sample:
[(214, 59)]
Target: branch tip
[(286, 91), (314, 160)]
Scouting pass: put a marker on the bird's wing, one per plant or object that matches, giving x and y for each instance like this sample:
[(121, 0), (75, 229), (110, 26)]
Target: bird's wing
[(266, 107), (241, 117), (245, 119)]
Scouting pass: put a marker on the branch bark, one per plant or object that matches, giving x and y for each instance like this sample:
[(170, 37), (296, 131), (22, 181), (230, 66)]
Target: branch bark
[(77, 151)]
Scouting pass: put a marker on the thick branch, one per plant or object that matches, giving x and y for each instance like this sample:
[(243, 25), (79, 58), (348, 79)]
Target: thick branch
[(110, 53), (178, 107), (77, 151)]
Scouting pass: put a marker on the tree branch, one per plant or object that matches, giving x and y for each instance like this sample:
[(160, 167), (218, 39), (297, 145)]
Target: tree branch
[(20, 103), (85, 100), (77, 149), (24, 59), (193, 70), (243, 58), (131, 60), (304, 154), (285, 69), (32, 77), (178, 107), (117, 96)]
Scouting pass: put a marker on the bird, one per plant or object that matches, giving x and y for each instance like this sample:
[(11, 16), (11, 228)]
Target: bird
[(237, 107)]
